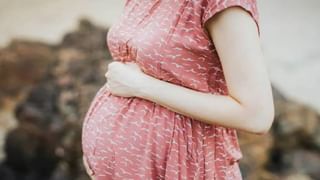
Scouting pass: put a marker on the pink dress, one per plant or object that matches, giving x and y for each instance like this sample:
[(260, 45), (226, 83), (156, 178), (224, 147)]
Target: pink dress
[(136, 139)]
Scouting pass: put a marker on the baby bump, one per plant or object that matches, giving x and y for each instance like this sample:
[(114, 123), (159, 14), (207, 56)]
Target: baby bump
[(128, 131)]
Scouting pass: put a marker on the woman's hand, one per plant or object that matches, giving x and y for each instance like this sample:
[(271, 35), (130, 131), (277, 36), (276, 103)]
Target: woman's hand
[(124, 79)]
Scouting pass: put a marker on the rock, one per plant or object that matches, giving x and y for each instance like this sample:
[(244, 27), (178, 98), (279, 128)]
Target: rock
[(89, 38), (296, 127), (40, 106), (307, 162), (30, 152), (255, 150), (7, 123), (22, 65), (297, 176)]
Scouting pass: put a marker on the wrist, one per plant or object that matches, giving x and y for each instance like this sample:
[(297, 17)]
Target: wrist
[(146, 85)]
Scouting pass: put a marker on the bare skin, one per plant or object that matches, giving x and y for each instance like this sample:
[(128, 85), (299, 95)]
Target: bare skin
[(248, 107)]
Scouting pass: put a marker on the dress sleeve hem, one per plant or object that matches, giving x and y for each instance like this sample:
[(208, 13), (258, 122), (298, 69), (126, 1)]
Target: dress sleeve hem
[(251, 8)]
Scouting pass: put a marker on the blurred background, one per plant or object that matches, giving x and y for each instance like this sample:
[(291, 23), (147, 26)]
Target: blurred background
[(53, 57)]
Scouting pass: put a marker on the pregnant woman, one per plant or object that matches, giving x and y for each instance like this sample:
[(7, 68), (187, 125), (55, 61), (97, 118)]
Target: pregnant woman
[(186, 75)]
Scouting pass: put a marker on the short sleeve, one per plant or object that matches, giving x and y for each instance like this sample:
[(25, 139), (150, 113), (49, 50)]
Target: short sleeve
[(212, 7)]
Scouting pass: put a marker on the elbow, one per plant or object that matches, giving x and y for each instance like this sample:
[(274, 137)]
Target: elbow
[(260, 122), (261, 129)]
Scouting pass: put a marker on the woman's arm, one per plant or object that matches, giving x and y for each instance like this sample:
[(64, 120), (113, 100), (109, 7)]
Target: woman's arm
[(249, 106)]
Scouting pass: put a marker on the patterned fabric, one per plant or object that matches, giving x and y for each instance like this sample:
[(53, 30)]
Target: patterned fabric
[(133, 138)]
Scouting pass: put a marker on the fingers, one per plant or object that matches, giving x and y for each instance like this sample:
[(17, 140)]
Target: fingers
[(117, 64), (114, 64), (107, 83), (106, 74), (134, 65), (107, 86)]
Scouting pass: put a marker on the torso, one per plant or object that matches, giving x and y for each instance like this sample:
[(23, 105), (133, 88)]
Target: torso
[(133, 138)]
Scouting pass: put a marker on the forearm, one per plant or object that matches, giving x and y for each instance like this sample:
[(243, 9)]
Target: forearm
[(205, 107)]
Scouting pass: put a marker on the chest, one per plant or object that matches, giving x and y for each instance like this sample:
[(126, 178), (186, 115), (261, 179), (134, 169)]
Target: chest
[(163, 37)]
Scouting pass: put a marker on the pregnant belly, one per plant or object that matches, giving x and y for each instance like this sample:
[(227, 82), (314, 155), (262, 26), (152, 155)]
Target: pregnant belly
[(120, 127)]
